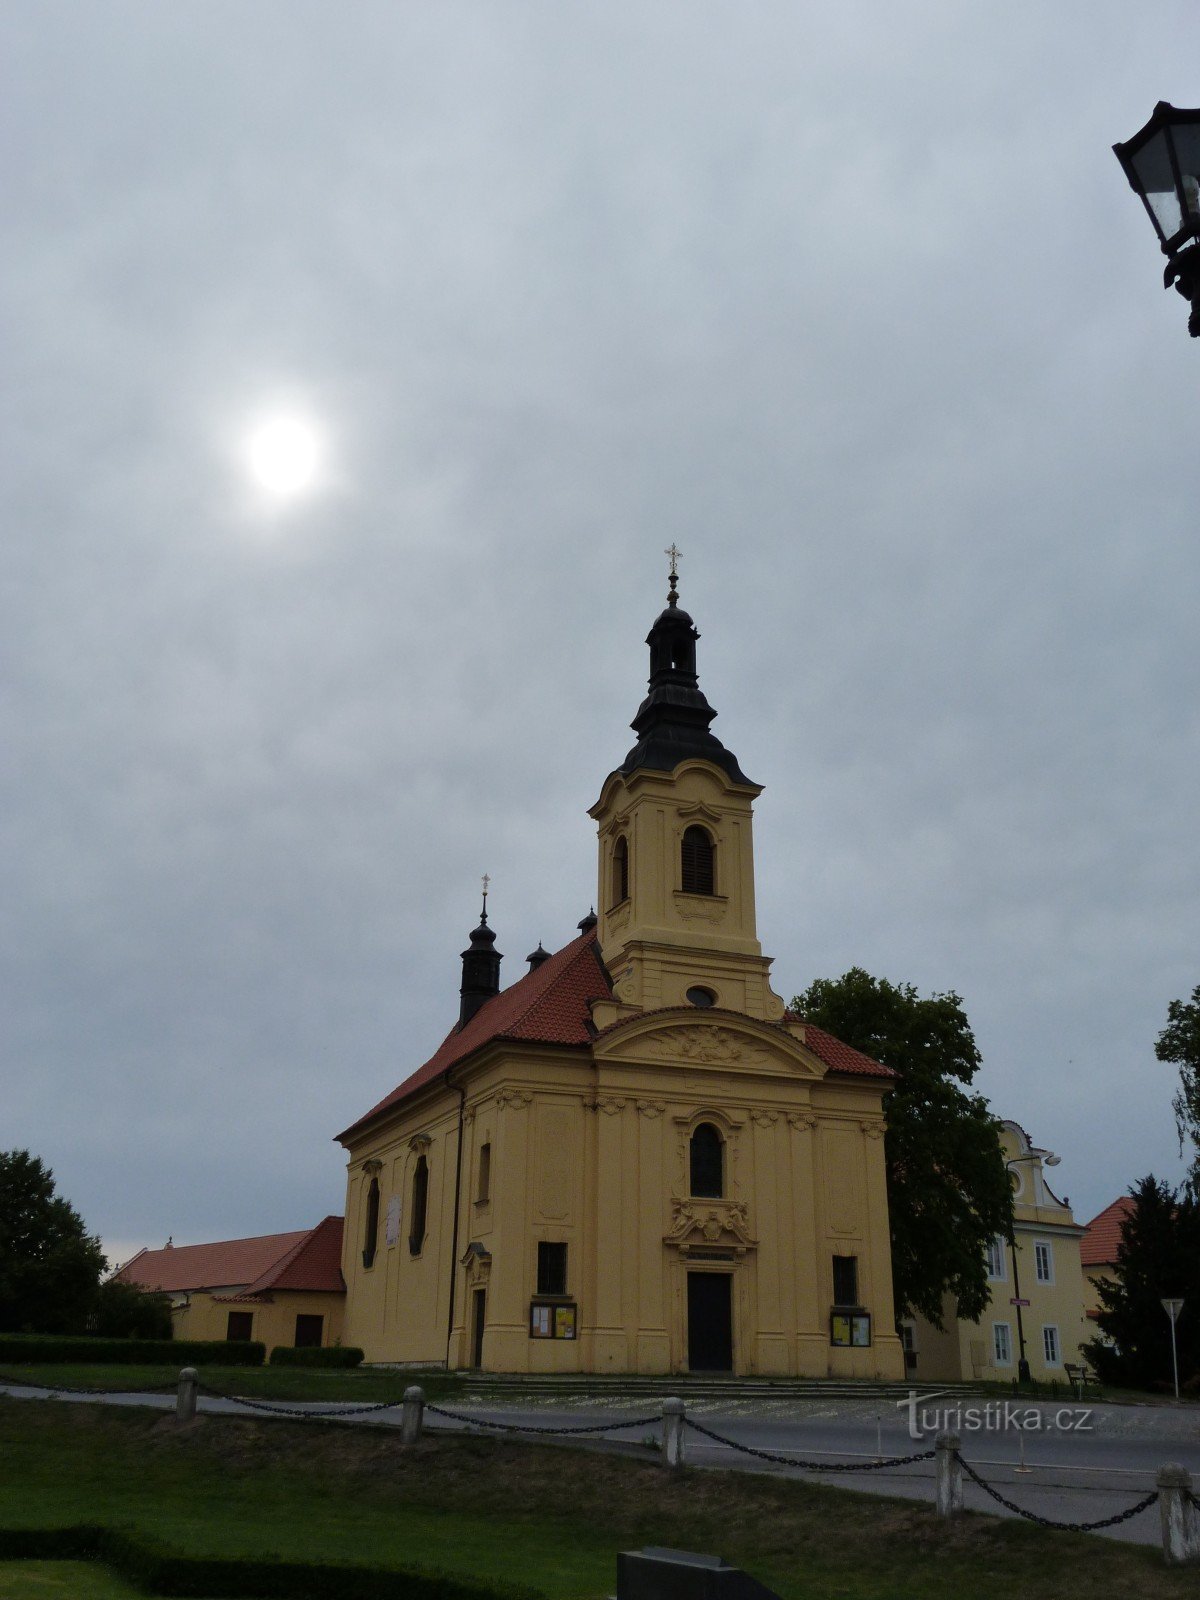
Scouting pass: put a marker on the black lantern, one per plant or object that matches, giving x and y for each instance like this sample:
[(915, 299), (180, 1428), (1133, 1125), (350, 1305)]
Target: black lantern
[(1162, 163)]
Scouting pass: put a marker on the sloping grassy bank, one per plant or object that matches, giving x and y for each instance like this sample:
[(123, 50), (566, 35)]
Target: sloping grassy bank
[(545, 1517)]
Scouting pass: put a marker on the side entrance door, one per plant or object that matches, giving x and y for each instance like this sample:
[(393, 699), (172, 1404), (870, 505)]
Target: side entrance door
[(710, 1322), (480, 1309)]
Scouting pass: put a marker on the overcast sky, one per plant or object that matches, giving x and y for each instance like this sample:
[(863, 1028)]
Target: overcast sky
[(852, 302)]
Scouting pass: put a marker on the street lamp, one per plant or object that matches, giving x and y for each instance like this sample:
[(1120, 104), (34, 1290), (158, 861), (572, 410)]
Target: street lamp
[(1162, 163), (1048, 1159)]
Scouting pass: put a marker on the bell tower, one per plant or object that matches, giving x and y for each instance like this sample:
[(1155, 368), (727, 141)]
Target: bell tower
[(676, 852)]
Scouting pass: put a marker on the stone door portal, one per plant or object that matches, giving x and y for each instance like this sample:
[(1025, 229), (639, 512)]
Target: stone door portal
[(710, 1322)]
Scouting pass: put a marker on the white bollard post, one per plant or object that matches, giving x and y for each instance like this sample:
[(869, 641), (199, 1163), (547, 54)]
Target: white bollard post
[(185, 1398), (948, 1474), (1180, 1520), (673, 1416), (413, 1415)]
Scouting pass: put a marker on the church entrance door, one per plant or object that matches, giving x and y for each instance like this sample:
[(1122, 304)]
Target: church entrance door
[(480, 1308), (710, 1322)]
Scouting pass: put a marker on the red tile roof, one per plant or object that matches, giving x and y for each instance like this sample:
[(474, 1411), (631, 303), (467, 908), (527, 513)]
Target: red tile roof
[(315, 1263), (1102, 1236), (839, 1057), (307, 1260), (550, 1005)]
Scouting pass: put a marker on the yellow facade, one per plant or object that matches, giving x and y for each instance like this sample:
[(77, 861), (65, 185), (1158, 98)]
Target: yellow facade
[(564, 1226), (201, 1314), (1039, 1265)]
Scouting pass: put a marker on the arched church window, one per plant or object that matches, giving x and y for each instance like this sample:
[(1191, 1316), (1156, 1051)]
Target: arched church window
[(371, 1225), (697, 859), (420, 1199), (707, 1163), (620, 871)]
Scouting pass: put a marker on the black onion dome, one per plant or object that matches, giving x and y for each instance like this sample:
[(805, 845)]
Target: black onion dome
[(673, 720)]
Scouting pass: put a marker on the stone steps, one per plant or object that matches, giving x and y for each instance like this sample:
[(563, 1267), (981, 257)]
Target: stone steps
[(546, 1385)]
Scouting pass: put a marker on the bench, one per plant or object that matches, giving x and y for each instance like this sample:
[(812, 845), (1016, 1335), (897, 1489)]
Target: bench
[(1079, 1377)]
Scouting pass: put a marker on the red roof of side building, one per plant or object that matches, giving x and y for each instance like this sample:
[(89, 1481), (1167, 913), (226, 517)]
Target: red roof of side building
[(307, 1260), (1102, 1236), (552, 1005)]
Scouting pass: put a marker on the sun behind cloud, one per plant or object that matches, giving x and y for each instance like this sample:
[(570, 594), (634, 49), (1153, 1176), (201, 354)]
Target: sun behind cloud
[(284, 454)]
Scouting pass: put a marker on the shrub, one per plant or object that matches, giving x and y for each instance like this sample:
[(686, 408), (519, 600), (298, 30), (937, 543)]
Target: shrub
[(155, 1569), (337, 1355), (123, 1311), (29, 1351)]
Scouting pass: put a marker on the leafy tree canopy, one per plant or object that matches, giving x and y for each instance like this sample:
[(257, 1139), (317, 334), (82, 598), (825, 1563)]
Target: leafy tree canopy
[(949, 1193), (1179, 1043), (123, 1311), (1158, 1257), (50, 1265)]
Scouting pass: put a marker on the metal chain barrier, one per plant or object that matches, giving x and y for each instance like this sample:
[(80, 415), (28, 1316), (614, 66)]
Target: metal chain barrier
[(66, 1388), (298, 1411), (1049, 1522), (811, 1466), (525, 1427)]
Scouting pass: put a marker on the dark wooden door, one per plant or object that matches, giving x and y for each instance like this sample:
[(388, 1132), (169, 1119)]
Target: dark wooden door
[(480, 1297), (710, 1322), (309, 1332)]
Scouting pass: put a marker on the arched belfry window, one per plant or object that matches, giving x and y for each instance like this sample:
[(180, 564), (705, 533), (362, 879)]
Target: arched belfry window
[(697, 856), (371, 1224), (420, 1200), (707, 1162), (620, 871)]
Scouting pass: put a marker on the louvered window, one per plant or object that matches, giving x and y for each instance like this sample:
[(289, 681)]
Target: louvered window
[(697, 855), (620, 883)]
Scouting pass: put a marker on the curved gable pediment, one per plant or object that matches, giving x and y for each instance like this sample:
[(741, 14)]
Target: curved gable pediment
[(722, 1040)]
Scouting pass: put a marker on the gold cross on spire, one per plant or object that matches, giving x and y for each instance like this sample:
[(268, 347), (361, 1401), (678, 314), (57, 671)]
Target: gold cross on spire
[(674, 554), (486, 881)]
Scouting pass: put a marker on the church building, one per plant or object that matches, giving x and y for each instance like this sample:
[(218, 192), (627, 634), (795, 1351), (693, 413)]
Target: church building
[(633, 1159)]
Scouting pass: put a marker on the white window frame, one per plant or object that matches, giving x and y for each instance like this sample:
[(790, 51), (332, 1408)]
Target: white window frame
[(1000, 1274), (1050, 1337), (1004, 1360), (1038, 1246)]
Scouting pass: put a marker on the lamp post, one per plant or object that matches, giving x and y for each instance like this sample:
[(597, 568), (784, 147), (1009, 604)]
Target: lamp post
[(1162, 163), (1048, 1159)]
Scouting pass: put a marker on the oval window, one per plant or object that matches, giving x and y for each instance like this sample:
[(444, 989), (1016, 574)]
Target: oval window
[(700, 997)]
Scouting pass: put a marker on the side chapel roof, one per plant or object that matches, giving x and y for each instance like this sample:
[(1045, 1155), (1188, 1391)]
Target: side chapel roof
[(310, 1259), (552, 1005)]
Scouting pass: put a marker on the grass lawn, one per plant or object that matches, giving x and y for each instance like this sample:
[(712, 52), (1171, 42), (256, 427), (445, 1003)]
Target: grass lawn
[(61, 1580), (548, 1517)]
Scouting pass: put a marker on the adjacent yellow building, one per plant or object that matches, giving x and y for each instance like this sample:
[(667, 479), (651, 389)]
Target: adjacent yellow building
[(1036, 1313), (279, 1288), (633, 1159)]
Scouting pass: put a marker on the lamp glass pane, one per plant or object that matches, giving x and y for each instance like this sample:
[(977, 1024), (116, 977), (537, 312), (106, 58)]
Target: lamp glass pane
[(1152, 164), (1187, 151)]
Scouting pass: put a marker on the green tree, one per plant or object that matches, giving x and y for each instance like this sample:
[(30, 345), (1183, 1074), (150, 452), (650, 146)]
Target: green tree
[(123, 1311), (1158, 1257), (1179, 1043), (949, 1193), (50, 1265)]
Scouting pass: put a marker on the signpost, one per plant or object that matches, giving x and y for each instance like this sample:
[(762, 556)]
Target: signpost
[(1173, 1308), (1015, 1300)]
